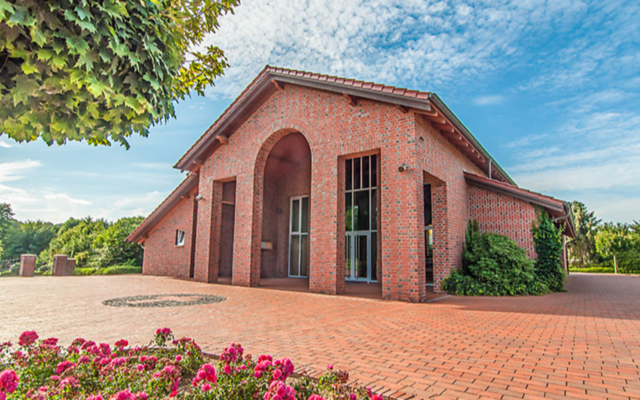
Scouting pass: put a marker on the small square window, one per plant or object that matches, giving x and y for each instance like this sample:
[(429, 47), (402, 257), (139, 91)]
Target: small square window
[(180, 238)]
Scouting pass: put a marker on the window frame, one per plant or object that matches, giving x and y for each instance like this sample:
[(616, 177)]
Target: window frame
[(178, 242)]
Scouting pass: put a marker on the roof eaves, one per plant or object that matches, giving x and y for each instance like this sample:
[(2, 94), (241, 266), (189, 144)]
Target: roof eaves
[(514, 191), (468, 135), (166, 206)]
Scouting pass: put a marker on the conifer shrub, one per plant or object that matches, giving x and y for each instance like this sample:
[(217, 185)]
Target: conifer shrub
[(547, 238), (493, 265)]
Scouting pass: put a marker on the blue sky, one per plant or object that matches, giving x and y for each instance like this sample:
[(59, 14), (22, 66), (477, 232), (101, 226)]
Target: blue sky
[(550, 88)]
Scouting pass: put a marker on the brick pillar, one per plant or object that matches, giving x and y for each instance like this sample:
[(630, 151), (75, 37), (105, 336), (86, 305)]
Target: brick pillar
[(60, 265), (71, 266), (27, 264), (208, 231), (442, 260), (247, 240), (326, 230), (402, 232)]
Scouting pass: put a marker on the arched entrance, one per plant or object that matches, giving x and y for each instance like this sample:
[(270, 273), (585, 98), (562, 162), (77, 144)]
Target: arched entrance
[(285, 246)]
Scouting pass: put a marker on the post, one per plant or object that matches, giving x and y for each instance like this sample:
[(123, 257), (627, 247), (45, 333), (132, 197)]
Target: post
[(27, 264), (615, 263)]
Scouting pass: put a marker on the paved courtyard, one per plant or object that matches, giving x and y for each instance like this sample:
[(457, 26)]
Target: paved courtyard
[(584, 344)]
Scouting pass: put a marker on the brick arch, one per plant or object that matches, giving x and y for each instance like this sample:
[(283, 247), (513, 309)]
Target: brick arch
[(277, 131)]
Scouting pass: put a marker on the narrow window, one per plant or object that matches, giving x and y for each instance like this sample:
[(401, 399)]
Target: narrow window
[(180, 235)]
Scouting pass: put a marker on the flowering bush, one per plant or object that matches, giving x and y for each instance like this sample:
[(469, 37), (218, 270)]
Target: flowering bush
[(41, 369)]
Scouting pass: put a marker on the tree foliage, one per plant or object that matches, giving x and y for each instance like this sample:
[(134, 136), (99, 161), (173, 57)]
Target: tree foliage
[(548, 242), (76, 242), (493, 265), (6, 220), (101, 70), (612, 239), (111, 248), (29, 237), (582, 248)]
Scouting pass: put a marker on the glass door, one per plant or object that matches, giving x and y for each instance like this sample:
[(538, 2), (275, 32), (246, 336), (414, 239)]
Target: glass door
[(358, 256), (299, 237), (361, 218)]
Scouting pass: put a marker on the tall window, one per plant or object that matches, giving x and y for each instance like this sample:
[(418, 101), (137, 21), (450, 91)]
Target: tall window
[(361, 218), (428, 232), (180, 235)]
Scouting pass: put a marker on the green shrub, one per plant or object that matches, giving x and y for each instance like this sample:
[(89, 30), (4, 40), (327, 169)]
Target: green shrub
[(548, 241), (84, 271), (593, 268), (628, 261), (15, 269), (8, 273), (119, 269), (493, 265)]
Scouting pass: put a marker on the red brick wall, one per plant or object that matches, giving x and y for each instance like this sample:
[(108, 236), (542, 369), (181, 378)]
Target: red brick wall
[(161, 255), (503, 214), (334, 130), (440, 159)]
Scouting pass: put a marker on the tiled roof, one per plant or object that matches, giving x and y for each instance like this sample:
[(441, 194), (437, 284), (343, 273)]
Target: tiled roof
[(164, 207), (350, 82)]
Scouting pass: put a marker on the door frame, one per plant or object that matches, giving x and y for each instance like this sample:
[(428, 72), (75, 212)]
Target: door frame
[(353, 235), (299, 233)]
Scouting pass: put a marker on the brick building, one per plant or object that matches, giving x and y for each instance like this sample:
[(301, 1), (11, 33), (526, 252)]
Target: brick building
[(334, 181)]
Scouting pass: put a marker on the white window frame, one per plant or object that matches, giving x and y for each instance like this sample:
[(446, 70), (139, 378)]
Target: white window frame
[(180, 241)]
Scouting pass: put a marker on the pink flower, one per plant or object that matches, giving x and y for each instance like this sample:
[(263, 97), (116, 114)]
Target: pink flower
[(122, 343), (376, 397), (178, 358), (83, 360), (3, 396), (315, 397), (163, 331), (70, 381), (142, 396), (125, 395), (205, 373), (278, 390), (205, 387), (9, 381), (140, 367), (63, 366), (105, 349), (51, 341), (330, 367), (118, 361), (227, 369), (95, 397), (28, 338), (352, 396)]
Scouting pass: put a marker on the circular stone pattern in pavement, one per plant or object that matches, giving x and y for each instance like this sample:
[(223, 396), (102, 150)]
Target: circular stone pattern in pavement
[(164, 300)]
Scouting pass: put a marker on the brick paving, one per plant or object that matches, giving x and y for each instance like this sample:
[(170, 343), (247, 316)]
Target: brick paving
[(583, 344)]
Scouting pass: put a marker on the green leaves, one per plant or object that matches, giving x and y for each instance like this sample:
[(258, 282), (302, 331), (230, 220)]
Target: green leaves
[(102, 70), (493, 265), (548, 241)]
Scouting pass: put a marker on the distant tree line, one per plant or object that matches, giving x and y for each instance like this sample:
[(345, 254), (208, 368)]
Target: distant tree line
[(603, 247), (94, 243)]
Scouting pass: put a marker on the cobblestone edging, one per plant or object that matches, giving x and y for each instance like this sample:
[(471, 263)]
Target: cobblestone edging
[(155, 300)]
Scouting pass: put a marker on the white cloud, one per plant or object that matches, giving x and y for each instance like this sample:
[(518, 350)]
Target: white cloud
[(489, 100), (15, 170), (420, 43), (5, 145)]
